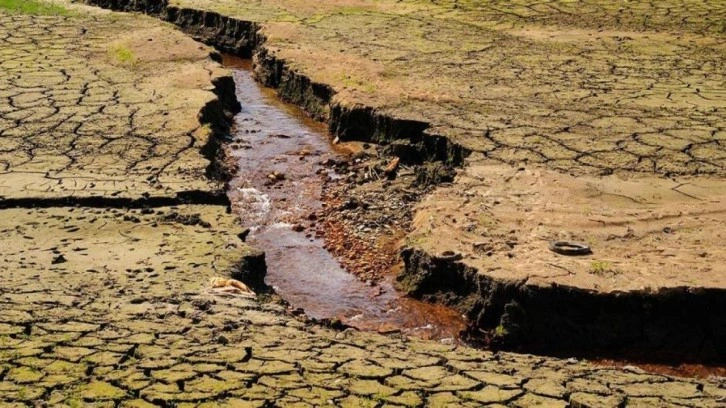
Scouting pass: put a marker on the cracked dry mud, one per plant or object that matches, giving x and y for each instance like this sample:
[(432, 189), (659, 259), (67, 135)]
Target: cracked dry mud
[(104, 306), (583, 87), (619, 106), (89, 114)]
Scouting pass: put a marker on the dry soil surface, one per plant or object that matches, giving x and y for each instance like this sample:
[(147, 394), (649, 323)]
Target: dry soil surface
[(102, 107), (616, 111), (601, 122), (583, 87), (107, 306)]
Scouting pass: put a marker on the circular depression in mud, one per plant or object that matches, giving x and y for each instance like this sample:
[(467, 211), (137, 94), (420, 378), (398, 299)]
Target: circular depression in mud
[(278, 150)]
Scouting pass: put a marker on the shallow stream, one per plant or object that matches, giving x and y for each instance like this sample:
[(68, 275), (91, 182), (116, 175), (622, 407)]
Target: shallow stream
[(274, 138)]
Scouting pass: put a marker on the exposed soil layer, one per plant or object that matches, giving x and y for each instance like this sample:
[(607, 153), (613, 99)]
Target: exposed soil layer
[(348, 121), (653, 286), (520, 81), (670, 325), (408, 139)]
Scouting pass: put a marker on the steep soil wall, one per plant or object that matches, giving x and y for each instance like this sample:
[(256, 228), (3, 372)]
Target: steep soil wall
[(244, 39), (679, 322)]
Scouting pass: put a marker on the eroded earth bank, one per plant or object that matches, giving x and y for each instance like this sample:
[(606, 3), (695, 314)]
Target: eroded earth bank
[(114, 218), (605, 130)]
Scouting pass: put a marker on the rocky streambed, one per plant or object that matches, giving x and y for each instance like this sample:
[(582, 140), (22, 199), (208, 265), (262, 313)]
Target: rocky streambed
[(284, 162)]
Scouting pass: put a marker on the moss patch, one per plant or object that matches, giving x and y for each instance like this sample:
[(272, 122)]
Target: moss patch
[(122, 54), (33, 7)]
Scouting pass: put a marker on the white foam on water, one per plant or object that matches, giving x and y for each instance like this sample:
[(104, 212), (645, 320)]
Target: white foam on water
[(393, 310), (356, 317), (280, 225), (252, 199)]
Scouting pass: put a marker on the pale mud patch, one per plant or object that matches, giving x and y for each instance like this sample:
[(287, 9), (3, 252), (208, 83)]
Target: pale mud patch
[(646, 233), (107, 252), (169, 63)]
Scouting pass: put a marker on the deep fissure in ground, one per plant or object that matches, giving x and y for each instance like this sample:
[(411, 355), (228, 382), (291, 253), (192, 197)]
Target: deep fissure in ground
[(680, 323)]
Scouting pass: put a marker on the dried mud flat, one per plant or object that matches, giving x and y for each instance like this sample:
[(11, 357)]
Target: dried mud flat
[(112, 228), (603, 98)]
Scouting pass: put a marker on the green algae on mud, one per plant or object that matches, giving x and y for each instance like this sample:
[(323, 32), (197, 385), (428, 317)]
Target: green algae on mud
[(33, 7), (122, 54)]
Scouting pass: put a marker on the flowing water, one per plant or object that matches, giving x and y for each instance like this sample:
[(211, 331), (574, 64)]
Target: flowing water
[(274, 137)]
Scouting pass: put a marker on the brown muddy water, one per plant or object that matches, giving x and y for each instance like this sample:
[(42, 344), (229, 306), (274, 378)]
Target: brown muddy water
[(271, 137)]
